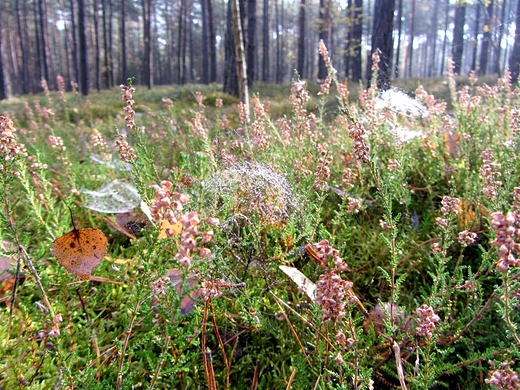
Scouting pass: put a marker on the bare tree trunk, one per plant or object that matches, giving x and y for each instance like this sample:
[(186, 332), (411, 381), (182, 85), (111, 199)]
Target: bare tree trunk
[(409, 61), (433, 39), (324, 35), (169, 39), (382, 41), (23, 54), (122, 35), (43, 38), (3, 87), (278, 50), (212, 44), (96, 44), (238, 38), (445, 41), (230, 84), (147, 24), (356, 36), (75, 55), (501, 23), (514, 60), (265, 42), (83, 62), (301, 39), (106, 80), (189, 41), (251, 41), (181, 44), (486, 40), (458, 36), (205, 41), (399, 29), (475, 38)]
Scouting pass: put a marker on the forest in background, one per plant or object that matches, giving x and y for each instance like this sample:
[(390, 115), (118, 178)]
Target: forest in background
[(97, 44)]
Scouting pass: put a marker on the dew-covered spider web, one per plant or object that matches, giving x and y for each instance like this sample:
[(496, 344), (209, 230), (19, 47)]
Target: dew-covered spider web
[(115, 197)]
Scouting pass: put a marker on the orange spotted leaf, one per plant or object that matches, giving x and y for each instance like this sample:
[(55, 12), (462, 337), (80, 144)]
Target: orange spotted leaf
[(80, 251)]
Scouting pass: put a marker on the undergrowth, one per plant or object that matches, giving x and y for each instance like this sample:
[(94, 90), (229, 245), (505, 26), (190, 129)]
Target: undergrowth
[(334, 243)]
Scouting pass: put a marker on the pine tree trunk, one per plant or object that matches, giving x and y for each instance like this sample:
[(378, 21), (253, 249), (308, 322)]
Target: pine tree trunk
[(357, 33), (230, 84), (409, 61), (122, 35), (301, 39), (382, 41), (106, 81), (97, 59), (486, 39), (278, 46), (458, 36), (265, 43), (212, 44), (147, 25), (433, 40), (238, 39), (324, 35), (43, 39), (251, 41), (514, 60), (83, 62), (181, 44), (399, 29), (21, 40), (445, 41), (475, 38), (3, 89), (75, 54), (205, 42), (501, 23)]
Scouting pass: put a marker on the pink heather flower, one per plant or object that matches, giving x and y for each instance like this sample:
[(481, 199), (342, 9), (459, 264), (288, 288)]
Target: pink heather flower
[(356, 132), (450, 205), (126, 152), (210, 290), (9, 148), (392, 165), (299, 97), (426, 320), (441, 222), (490, 173), (56, 143), (467, 238), (506, 379), (168, 103), (354, 205), (212, 221), (436, 248), (331, 295), (506, 236), (324, 53), (322, 173), (127, 97)]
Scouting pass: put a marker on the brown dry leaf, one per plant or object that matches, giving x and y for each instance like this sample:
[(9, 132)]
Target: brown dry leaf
[(451, 143), (467, 217), (80, 251), (188, 300), (175, 229), (7, 279)]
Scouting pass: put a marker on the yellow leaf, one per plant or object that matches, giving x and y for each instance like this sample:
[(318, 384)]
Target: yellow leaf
[(174, 229)]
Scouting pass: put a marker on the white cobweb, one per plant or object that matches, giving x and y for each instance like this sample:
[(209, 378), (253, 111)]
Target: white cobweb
[(115, 197), (254, 188)]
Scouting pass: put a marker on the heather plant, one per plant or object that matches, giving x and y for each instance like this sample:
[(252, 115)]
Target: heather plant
[(349, 243)]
